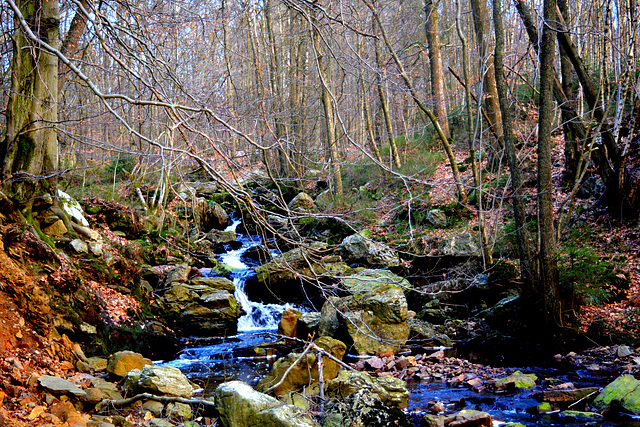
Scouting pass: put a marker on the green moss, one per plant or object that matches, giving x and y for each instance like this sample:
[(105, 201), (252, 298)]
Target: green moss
[(25, 152), (624, 391)]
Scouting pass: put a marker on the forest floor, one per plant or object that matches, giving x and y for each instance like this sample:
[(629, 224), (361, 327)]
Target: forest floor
[(28, 350)]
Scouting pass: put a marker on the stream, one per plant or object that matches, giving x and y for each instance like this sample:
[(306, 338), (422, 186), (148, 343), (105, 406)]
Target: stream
[(211, 361)]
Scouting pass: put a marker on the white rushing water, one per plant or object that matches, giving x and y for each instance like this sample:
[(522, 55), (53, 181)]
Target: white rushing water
[(258, 316)]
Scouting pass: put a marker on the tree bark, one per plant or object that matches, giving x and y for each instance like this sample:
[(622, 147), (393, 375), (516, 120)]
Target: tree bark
[(435, 62), (548, 274), (527, 266), (29, 150), (72, 40)]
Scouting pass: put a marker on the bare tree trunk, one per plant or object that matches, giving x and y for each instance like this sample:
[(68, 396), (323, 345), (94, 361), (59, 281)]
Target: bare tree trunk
[(527, 267), (435, 61), (29, 150), (548, 273), (72, 40)]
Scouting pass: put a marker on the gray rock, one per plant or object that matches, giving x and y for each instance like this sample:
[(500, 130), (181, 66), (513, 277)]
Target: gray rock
[(623, 351), (217, 237), (302, 202), (241, 406), (464, 245), (160, 422), (425, 333), (357, 248), (154, 407), (390, 390), (165, 380), (437, 218), (362, 408), (95, 248), (179, 273), (79, 246), (324, 199), (59, 385)]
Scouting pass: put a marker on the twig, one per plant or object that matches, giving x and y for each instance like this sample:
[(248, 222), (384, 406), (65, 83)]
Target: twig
[(306, 350), (149, 396)]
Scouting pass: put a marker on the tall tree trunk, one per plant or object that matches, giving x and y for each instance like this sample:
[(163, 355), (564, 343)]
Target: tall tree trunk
[(435, 62), (330, 126), (548, 274), (384, 106), (29, 149), (492, 104), (527, 266), (72, 40)]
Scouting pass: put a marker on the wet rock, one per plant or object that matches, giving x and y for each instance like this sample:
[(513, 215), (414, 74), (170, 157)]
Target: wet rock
[(302, 202), (578, 416), (569, 396), (430, 420), (516, 381), (464, 245), (212, 215), (362, 408), (217, 237), (391, 391), (623, 393), (120, 363), (160, 422), (59, 385), (623, 351), (288, 325), (357, 248), (305, 371), (221, 283), (469, 418), (241, 406), (161, 379)]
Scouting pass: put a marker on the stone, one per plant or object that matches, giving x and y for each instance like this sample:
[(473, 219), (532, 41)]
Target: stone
[(108, 389), (469, 418), (437, 218), (238, 403), (302, 202), (97, 363), (569, 396), (623, 393), (426, 334), (308, 324), (78, 246), (329, 320), (59, 385), (390, 390), (516, 381), (285, 416), (212, 215), (160, 422), (72, 208), (177, 411), (217, 237), (56, 229), (579, 416), (179, 273), (362, 408), (120, 363), (221, 283), (324, 199), (162, 379), (623, 351), (95, 248), (305, 371), (464, 245), (357, 248), (288, 324), (430, 420), (154, 407)]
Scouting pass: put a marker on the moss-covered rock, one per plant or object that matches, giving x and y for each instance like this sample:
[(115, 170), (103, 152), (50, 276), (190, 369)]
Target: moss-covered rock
[(579, 416), (516, 381), (622, 393), (362, 408)]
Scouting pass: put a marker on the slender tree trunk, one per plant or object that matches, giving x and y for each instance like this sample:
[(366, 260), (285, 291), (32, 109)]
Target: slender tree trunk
[(72, 40), (384, 105), (435, 61), (548, 273), (527, 266), (29, 150)]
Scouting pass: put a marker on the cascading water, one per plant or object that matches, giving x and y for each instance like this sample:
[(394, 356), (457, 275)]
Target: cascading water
[(233, 357)]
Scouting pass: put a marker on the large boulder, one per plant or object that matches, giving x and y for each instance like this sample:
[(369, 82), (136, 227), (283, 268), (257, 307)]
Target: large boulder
[(424, 333), (374, 315), (357, 248), (203, 306), (241, 406), (390, 390), (305, 371), (159, 379), (179, 273), (621, 394), (120, 363)]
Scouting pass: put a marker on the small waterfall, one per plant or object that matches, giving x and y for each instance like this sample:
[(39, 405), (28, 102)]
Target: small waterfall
[(258, 316)]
